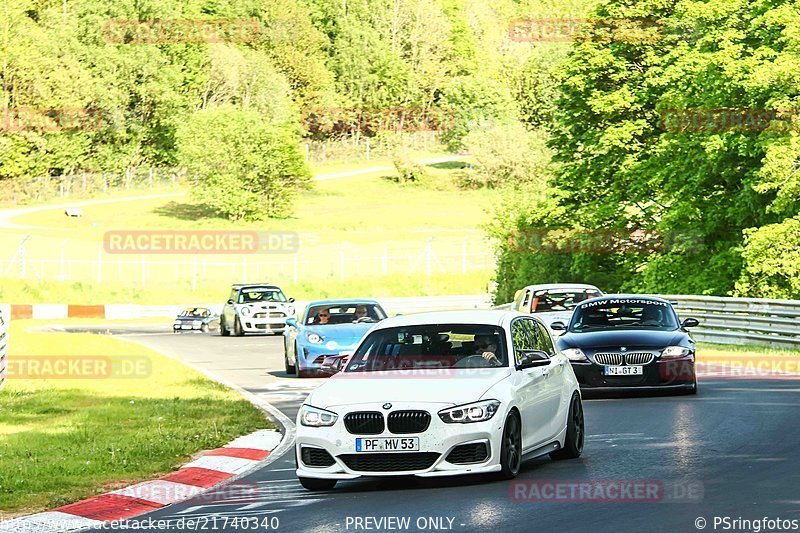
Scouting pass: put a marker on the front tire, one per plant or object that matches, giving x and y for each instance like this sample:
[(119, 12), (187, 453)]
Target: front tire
[(573, 441), (223, 329), (237, 327), (314, 484), (290, 369), (511, 448)]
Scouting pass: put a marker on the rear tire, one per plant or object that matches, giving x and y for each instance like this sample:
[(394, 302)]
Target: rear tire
[(237, 327), (511, 448), (315, 484), (573, 441)]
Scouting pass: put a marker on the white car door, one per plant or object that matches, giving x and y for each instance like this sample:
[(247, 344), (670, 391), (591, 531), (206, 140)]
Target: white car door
[(530, 387), (555, 387)]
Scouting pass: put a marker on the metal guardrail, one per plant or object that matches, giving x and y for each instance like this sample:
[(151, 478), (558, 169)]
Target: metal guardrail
[(725, 320)]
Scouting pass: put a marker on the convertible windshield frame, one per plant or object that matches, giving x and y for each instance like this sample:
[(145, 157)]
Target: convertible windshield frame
[(624, 313), (420, 347)]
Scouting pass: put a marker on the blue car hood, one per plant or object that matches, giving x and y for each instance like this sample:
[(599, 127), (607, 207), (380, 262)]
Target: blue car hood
[(343, 334)]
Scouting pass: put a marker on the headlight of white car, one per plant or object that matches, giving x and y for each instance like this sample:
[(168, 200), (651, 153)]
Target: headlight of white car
[(315, 417), (291, 310), (246, 311), (471, 412), (313, 337), (674, 352), (574, 354)]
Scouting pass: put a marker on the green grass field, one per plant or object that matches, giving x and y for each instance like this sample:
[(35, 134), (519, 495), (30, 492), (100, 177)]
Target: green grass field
[(364, 235), (62, 440)]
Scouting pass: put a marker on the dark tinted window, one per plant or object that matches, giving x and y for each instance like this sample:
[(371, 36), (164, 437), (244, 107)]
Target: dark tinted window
[(430, 346), (624, 313)]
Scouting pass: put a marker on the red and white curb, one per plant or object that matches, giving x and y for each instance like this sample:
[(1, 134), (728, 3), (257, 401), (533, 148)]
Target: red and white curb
[(212, 468)]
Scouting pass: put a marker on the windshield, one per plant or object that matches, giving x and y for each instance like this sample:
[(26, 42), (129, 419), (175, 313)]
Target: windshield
[(431, 346), (261, 295), (194, 312), (624, 313), (360, 313), (560, 300)]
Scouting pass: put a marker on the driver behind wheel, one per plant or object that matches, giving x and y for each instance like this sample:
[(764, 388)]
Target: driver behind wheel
[(486, 347), (361, 312)]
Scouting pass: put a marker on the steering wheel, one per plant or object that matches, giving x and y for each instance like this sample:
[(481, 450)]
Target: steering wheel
[(364, 320), (468, 361)]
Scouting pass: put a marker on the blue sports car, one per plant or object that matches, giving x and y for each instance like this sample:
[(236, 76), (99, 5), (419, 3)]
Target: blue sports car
[(327, 328)]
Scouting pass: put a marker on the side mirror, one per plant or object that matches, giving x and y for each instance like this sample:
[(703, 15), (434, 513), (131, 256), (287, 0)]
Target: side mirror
[(291, 300), (230, 301), (558, 326), (690, 323), (291, 322), (532, 358)]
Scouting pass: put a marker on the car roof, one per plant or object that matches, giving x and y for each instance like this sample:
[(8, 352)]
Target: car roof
[(344, 301), (254, 286), (481, 317), (551, 286)]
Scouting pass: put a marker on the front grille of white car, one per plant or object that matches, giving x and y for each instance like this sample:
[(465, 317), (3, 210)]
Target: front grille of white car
[(630, 358), (389, 462), (402, 422), (364, 423)]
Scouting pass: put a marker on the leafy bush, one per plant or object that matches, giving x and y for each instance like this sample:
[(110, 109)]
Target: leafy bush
[(771, 261), (240, 164)]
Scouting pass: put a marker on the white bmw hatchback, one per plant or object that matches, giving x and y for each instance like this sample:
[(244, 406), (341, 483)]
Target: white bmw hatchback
[(439, 394)]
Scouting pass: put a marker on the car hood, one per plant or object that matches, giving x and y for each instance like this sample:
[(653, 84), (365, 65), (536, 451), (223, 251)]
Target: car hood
[(442, 386), (630, 338), (344, 334), (554, 316)]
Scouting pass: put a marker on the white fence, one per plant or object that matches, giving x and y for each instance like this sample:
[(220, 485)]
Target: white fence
[(314, 263)]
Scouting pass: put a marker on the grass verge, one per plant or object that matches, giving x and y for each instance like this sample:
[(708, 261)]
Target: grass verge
[(62, 440)]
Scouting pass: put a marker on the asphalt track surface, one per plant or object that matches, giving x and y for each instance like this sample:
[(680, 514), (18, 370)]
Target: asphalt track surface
[(731, 451)]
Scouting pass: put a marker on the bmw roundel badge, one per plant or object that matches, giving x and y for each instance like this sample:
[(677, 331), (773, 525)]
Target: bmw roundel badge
[(387, 406)]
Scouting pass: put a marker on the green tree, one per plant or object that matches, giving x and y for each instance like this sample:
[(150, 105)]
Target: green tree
[(240, 164)]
